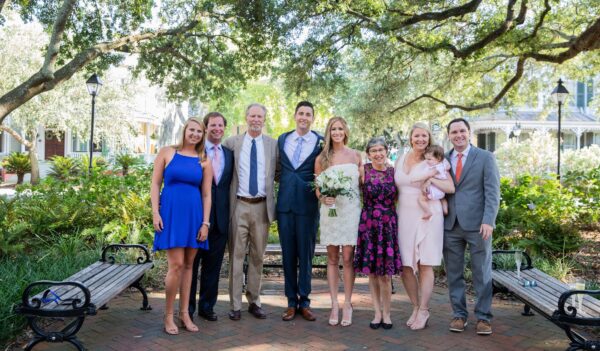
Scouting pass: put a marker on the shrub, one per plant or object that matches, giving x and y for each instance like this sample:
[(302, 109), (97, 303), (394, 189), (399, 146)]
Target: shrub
[(64, 168), (17, 163), (539, 215), (126, 161)]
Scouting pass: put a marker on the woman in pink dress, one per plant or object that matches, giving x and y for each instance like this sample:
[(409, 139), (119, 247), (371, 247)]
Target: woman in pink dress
[(420, 241)]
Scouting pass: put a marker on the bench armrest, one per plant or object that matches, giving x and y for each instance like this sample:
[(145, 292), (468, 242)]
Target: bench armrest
[(568, 314), (527, 262), (36, 305), (116, 247)]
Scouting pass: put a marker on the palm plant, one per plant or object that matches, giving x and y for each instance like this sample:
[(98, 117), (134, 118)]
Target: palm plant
[(126, 161), (64, 168), (17, 163)]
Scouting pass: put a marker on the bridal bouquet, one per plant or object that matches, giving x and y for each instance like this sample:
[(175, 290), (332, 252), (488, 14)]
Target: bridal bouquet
[(333, 183)]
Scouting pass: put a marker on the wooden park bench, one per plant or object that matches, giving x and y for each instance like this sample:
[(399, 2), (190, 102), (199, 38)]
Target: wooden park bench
[(83, 293), (275, 250), (551, 298)]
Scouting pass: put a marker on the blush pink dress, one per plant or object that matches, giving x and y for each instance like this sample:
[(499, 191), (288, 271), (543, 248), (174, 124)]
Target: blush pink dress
[(419, 240)]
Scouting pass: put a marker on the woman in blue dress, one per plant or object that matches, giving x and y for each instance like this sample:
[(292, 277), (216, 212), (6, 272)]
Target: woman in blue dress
[(180, 215)]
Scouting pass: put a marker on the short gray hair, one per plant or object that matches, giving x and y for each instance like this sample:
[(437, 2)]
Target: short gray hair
[(376, 141), (255, 104)]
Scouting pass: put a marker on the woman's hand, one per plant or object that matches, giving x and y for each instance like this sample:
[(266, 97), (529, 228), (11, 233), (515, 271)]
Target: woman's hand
[(425, 187), (157, 222), (328, 200), (202, 233)]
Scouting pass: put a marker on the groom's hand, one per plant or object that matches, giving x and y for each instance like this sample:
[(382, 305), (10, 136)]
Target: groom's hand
[(486, 231)]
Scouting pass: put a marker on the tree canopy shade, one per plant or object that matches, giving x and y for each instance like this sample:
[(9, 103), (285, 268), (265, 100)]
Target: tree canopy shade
[(465, 55), (198, 48)]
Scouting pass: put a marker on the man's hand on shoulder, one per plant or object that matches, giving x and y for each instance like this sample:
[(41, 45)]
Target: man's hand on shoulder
[(486, 231)]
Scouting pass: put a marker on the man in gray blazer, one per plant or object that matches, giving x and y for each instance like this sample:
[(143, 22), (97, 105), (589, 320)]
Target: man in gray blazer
[(252, 209), (471, 218)]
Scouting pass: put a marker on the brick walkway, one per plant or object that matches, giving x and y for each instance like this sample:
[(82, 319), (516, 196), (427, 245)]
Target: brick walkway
[(125, 327)]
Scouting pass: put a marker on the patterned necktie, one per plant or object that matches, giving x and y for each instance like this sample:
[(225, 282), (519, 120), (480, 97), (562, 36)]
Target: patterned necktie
[(459, 166), (297, 153), (253, 186), (216, 164)]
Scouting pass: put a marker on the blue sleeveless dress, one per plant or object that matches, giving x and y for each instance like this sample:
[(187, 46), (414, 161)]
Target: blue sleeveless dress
[(181, 205)]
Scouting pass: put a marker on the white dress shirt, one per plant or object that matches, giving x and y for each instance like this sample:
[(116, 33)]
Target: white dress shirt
[(291, 142), (244, 171), (454, 158), (211, 154)]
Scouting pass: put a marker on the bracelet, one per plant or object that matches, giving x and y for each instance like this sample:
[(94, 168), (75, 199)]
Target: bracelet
[(207, 224)]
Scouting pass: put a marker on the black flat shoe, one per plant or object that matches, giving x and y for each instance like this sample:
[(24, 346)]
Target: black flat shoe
[(386, 325), (208, 315), (374, 325)]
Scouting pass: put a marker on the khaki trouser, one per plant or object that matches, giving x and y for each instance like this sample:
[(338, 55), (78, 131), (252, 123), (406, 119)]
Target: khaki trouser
[(250, 229)]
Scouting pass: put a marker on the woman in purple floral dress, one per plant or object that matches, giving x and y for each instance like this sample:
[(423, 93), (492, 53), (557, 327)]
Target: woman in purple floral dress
[(377, 252)]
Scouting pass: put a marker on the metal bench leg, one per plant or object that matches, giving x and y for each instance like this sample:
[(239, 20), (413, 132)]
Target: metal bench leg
[(245, 282), (527, 311), (67, 334), (393, 287), (138, 285)]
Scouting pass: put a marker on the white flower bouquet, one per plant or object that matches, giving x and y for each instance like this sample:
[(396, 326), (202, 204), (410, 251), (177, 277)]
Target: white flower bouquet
[(333, 183)]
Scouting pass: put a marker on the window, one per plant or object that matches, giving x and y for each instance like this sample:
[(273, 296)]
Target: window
[(581, 95), (569, 141), (81, 145), (486, 141), (585, 93)]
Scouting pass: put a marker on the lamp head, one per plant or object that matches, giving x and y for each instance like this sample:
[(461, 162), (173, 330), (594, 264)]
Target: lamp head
[(560, 93), (93, 85)]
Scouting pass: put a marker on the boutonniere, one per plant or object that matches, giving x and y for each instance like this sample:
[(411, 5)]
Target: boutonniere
[(321, 143)]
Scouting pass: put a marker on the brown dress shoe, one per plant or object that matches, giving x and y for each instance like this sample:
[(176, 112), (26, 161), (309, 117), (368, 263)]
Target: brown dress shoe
[(289, 314), (256, 311), (235, 315), (458, 325), (307, 314)]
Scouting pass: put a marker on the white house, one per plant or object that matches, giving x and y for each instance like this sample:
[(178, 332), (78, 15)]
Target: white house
[(580, 127)]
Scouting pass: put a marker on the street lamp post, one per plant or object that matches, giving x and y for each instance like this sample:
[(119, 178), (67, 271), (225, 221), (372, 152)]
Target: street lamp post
[(93, 86), (560, 94)]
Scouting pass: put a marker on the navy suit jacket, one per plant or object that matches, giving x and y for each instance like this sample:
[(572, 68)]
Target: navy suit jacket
[(296, 194), (219, 211)]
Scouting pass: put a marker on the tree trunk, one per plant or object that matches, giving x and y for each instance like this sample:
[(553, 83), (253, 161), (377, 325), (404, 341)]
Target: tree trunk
[(20, 177), (33, 158)]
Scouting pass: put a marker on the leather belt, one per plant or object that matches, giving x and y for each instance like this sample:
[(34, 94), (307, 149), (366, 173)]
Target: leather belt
[(251, 200)]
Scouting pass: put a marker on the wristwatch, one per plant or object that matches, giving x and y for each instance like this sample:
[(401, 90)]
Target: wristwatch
[(207, 224)]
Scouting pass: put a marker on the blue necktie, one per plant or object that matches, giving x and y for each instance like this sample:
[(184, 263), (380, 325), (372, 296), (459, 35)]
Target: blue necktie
[(297, 152), (253, 188)]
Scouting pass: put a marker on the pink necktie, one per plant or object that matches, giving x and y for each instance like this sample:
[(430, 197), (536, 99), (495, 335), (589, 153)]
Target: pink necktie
[(216, 164)]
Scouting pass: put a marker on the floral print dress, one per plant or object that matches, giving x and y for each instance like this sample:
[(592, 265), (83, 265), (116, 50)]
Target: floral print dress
[(377, 250)]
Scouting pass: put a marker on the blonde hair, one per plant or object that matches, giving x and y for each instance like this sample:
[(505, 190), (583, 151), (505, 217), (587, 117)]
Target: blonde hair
[(199, 147), (327, 153), (419, 126)]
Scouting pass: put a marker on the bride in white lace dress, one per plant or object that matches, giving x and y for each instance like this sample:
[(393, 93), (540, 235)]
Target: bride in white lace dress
[(340, 231)]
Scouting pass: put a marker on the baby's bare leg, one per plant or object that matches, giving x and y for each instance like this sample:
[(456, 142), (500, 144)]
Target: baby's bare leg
[(424, 203)]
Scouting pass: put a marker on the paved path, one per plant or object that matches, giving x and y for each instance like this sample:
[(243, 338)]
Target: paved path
[(124, 327)]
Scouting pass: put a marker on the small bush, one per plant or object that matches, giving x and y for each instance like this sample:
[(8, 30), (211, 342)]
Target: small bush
[(64, 168), (17, 163)]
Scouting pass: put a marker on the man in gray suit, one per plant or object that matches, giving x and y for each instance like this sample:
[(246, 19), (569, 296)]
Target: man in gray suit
[(471, 218), (252, 209)]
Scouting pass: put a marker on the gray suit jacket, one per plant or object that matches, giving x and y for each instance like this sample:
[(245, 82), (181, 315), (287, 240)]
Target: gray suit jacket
[(477, 196), (271, 156)]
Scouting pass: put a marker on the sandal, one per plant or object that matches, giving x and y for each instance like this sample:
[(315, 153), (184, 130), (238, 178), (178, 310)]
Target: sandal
[(347, 321), (413, 316), (419, 322), (188, 325), (170, 330), (335, 311)]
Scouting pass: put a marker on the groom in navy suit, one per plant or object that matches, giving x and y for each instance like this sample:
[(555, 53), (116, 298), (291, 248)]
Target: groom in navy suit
[(298, 210), (218, 232)]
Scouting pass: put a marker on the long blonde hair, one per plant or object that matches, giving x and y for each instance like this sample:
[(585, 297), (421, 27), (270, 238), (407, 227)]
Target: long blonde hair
[(199, 147), (327, 153)]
